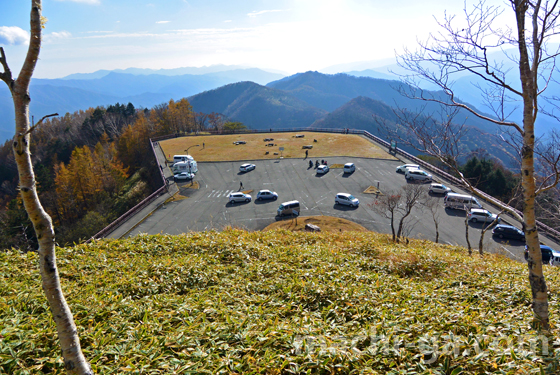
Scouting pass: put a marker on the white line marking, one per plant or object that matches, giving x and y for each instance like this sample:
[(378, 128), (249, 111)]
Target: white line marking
[(506, 249)]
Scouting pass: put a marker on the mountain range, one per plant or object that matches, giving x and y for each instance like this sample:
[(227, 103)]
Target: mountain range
[(103, 88), (319, 100), (260, 99)]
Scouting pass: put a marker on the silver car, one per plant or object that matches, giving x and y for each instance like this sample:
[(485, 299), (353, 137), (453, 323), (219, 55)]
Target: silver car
[(183, 176), (439, 189), (267, 194), (239, 197), (482, 215), (247, 167), (349, 168), (406, 167), (322, 169), (417, 175), (347, 199)]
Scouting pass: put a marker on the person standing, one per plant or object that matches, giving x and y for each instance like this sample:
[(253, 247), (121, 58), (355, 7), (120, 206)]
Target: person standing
[(240, 185)]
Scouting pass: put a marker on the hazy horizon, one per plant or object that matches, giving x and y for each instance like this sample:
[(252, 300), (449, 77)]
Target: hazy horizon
[(84, 36)]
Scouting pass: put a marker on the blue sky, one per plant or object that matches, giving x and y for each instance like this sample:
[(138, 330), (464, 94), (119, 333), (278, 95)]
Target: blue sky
[(83, 36)]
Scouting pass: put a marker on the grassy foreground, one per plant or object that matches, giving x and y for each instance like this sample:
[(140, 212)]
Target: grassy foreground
[(221, 147), (278, 302)]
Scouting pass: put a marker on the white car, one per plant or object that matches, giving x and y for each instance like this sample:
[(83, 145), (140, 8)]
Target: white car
[(322, 169), (239, 197), (406, 167), (349, 168), (247, 167), (266, 194), (439, 189), (480, 214), (183, 176), (417, 175), (347, 199)]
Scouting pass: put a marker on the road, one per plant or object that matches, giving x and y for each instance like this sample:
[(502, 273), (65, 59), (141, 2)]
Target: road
[(208, 208)]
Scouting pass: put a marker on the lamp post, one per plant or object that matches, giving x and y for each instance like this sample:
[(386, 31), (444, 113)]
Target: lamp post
[(187, 151)]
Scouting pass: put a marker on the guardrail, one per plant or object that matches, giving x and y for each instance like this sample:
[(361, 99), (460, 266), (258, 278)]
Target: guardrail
[(134, 210), (543, 228)]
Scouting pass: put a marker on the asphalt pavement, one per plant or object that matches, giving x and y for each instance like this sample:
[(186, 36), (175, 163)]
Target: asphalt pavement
[(208, 208)]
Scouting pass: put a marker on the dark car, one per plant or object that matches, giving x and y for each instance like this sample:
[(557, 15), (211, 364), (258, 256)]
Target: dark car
[(504, 231), (545, 251)]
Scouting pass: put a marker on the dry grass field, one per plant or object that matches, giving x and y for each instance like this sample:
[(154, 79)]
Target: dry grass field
[(326, 223), (222, 147)]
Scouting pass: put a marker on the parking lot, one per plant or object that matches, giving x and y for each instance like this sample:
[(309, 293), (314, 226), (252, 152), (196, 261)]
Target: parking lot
[(208, 208)]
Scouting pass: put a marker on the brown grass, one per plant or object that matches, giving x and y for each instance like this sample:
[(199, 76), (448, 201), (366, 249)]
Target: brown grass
[(221, 147), (326, 223), (373, 190)]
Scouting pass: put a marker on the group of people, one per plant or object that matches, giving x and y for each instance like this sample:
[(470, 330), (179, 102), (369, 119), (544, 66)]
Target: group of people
[(323, 162)]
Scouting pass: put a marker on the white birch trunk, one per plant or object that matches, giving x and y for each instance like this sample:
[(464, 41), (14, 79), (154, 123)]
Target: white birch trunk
[(74, 361), (529, 77)]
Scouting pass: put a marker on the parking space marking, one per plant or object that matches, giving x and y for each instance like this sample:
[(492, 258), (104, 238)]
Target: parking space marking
[(512, 254)]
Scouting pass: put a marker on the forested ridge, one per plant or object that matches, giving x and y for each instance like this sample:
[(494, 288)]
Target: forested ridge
[(91, 167)]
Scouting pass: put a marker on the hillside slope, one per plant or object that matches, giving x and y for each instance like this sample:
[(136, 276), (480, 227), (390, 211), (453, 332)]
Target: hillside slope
[(365, 113), (332, 91), (278, 302), (80, 92), (257, 106)]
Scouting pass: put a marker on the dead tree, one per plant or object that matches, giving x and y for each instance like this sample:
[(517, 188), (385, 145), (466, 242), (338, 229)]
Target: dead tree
[(74, 360), (398, 204), (432, 205), (464, 46)]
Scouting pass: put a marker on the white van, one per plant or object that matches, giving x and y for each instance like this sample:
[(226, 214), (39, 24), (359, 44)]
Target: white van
[(460, 201), (289, 208), (184, 163), (180, 158)]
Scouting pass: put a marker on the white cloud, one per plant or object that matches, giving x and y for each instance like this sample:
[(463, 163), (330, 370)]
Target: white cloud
[(97, 32), (13, 35), (92, 2), (54, 36), (227, 21), (255, 13), (163, 21)]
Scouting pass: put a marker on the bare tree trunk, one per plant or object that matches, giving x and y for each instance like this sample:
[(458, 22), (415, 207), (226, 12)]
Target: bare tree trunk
[(74, 361), (467, 233), (528, 75)]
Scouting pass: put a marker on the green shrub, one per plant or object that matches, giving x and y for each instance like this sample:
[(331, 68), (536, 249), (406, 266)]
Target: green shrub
[(278, 303)]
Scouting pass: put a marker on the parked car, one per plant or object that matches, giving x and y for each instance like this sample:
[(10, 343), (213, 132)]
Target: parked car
[(266, 194), (289, 208), (247, 167), (349, 168), (239, 197), (555, 261), (546, 252), (417, 175), (322, 169), (480, 214), (239, 142), (504, 231), (406, 167), (183, 176), (347, 199), (460, 201), (436, 188)]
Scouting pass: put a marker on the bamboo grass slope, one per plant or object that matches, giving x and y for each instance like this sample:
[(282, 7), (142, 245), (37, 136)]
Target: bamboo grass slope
[(278, 302)]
